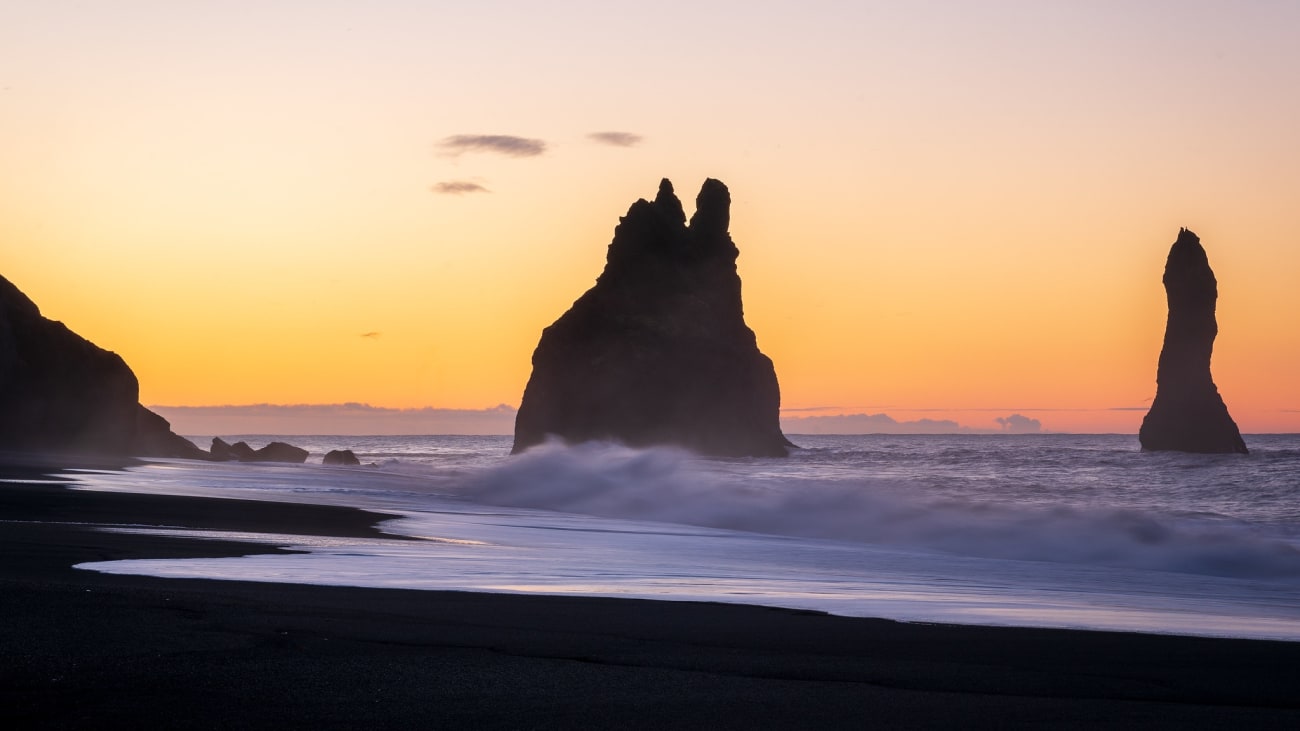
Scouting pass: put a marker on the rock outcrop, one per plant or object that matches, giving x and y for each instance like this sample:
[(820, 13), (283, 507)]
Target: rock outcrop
[(154, 438), (341, 457), (61, 393), (658, 352), (280, 452), (1188, 414), (272, 452), (223, 451)]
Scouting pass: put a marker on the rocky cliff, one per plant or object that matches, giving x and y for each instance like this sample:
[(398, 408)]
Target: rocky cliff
[(61, 393), (658, 352), (1188, 415)]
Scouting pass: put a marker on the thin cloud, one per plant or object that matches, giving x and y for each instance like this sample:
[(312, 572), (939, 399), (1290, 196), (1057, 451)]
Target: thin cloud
[(457, 187), (371, 335), (787, 409), (508, 145), (335, 419), (1003, 408), (616, 139)]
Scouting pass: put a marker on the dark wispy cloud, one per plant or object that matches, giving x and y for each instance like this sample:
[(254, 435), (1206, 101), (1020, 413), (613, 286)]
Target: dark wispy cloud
[(371, 335), (500, 144), (457, 187), (617, 139)]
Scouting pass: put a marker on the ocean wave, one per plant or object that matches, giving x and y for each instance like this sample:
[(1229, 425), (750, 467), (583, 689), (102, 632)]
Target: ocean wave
[(672, 486)]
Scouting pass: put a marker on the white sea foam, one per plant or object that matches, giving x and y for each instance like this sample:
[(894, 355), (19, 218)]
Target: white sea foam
[(1082, 532), (668, 485)]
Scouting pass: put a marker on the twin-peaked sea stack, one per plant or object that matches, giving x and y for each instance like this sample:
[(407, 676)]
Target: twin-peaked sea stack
[(1188, 414), (658, 352)]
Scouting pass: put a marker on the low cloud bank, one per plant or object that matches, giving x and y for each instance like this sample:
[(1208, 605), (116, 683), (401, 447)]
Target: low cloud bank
[(336, 419), (356, 418), (1019, 424), (886, 424)]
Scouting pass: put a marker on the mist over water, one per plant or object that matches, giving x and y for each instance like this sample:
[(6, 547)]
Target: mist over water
[(1057, 530), (946, 509)]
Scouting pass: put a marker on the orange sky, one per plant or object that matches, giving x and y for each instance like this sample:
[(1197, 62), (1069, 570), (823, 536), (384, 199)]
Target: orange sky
[(944, 210)]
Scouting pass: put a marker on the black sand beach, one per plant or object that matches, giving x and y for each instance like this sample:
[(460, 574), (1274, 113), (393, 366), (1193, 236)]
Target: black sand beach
[(81, 649)]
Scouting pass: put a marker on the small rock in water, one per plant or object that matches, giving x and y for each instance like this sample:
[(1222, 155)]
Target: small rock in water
[(341, 457), (273, 452), (280, 452)]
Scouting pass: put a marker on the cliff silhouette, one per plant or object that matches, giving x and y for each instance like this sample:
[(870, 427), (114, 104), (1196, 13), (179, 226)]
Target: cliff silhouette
[(61, 393), (1188, 414), (657, 351)]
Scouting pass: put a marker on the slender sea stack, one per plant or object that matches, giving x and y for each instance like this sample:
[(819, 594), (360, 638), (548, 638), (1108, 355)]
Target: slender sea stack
[(657, 352), (61, 393), (1188, 415)]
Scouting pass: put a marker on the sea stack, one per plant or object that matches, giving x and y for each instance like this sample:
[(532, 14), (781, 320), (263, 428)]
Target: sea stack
[(657, 352), (1188, 415), (61, 393)]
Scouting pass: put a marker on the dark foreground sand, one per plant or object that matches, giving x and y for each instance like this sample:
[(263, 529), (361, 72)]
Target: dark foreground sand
[(79, 649)]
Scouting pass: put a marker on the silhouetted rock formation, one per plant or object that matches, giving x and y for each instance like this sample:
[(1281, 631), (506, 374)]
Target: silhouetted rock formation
[(154, 438), (220, 450), (1188, 415), (341, 457), (224, 452), (61, 393), (281, 452), (241, 452), (657, 352)]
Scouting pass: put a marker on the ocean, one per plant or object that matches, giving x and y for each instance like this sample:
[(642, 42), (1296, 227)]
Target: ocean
[(1044, 530)]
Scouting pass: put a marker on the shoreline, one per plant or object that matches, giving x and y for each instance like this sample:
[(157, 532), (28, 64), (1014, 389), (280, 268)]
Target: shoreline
[(86, 649)]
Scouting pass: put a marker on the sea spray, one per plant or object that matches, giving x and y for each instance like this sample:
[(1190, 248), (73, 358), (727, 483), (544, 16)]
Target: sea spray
[(669, 485), (924, 528)]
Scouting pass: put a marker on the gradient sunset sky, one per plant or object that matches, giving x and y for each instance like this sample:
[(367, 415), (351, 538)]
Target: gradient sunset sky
[(944, 209)]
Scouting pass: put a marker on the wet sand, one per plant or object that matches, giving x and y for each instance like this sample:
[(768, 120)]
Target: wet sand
[(81, 649)]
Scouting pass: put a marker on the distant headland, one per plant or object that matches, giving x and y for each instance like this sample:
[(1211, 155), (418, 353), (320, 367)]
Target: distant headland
[(62, 393)]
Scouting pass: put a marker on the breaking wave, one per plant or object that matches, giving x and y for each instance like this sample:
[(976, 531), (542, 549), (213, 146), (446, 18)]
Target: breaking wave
[(672, 486)]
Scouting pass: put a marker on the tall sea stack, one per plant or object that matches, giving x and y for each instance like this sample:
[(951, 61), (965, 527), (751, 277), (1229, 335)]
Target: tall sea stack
[(61, 393), (658, 352), (1188, 415)]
